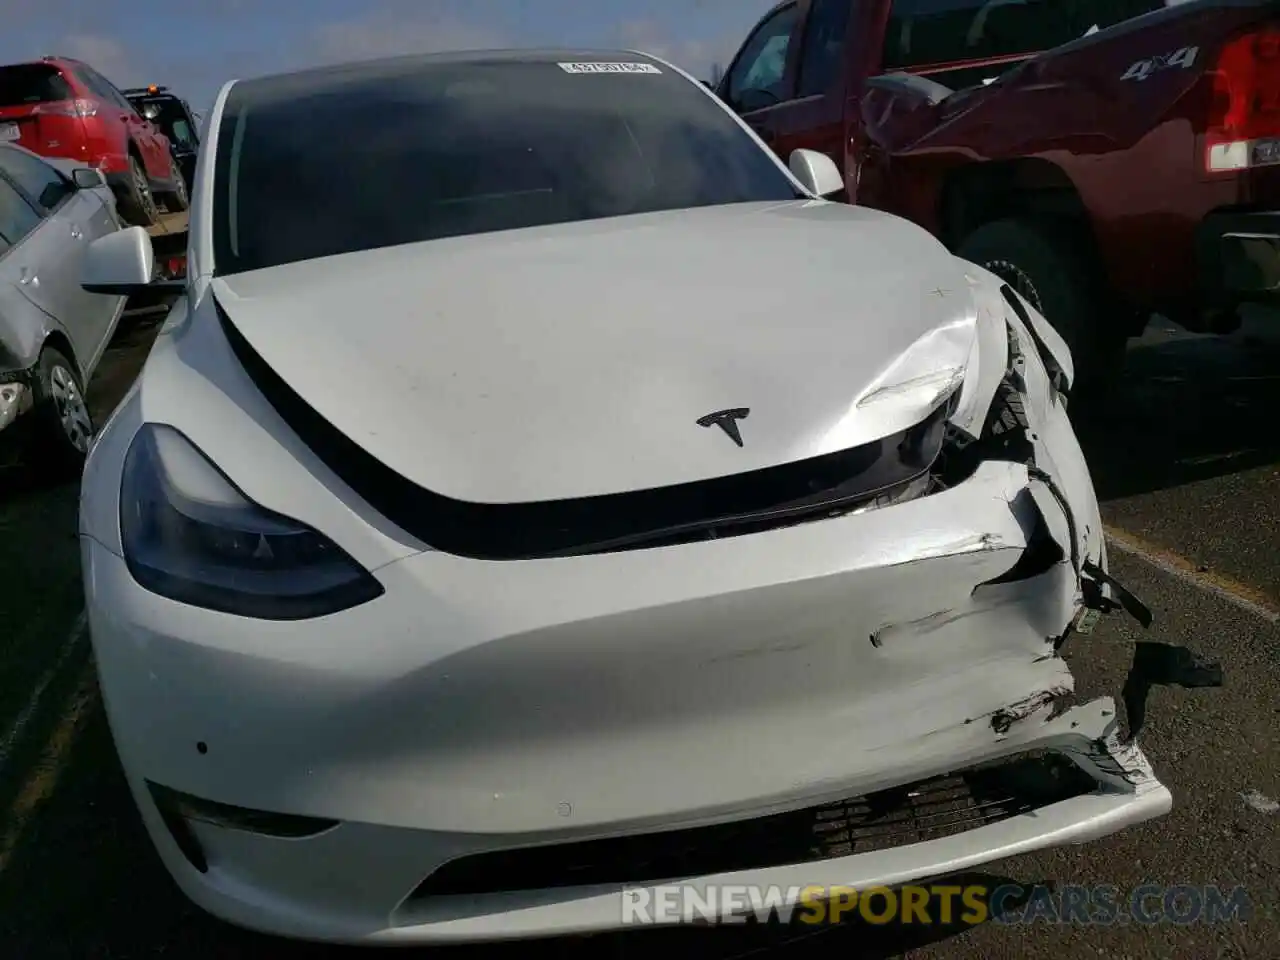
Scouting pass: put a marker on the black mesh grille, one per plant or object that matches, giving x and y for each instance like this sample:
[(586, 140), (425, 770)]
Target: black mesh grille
[(926, 810)]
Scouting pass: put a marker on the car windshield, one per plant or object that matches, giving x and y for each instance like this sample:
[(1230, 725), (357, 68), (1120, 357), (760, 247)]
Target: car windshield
[(325, 163), (32, 83)]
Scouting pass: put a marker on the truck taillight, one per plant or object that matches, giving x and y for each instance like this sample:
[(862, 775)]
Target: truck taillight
[(1244, 117), (67, 108)]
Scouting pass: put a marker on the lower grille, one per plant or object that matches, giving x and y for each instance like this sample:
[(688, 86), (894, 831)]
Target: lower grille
[(926, 810)]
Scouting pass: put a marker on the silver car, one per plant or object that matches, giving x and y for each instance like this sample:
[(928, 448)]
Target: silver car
[(52, 332)]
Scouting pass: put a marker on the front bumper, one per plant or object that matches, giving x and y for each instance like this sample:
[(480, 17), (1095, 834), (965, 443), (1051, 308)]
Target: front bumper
[(1239, 258), (610, 697), (486, 709)]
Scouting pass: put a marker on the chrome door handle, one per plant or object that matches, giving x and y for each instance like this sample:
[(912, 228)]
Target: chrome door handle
[(27, 278), (76, 232)]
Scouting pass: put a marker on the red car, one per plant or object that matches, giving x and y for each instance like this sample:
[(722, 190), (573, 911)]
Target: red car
[(58, 107)]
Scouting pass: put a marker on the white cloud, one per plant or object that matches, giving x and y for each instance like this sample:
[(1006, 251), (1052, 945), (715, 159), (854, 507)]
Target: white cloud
[(693, 55), (105, 54), (388, 35)]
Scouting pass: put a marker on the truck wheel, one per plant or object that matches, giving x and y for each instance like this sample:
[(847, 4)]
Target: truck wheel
[(1052, 272), (62, 424), (176, 200), (137, 205)]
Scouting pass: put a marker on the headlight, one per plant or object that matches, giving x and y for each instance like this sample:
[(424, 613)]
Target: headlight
[(189, 535)]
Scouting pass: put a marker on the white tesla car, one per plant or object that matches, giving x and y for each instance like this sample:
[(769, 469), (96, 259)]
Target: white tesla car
[(540, 492)]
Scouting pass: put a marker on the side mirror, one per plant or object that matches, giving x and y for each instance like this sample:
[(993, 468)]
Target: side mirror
[(754, 98), (817, 172), (121, 263), (86, 178)]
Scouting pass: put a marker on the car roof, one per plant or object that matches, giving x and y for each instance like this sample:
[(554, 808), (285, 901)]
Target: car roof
[(57, 62), (320, 75)]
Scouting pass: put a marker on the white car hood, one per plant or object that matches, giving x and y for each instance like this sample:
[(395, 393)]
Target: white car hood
[(575, 360)]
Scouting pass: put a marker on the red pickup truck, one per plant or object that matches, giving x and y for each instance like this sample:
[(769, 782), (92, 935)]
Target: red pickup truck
[(1110, 159)]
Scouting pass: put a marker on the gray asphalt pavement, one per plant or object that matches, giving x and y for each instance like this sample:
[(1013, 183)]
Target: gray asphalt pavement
[(1188, 467)]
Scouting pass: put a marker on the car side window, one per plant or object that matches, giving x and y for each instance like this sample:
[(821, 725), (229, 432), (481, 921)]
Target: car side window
[(107, 90), (17, 217), (758, 77), (93, 82), (181, 133), (40, 181), (822, 55)]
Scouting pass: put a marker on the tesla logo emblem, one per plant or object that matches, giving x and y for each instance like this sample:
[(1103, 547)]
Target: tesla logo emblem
[(726, 420)]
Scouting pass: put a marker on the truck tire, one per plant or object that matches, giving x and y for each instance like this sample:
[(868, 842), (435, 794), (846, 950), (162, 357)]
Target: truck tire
[(137, 205), (1052, 271), (62, 426), (176, 200)]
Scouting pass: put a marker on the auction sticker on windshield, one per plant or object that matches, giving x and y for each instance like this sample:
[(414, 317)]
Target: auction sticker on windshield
[(597, 67)]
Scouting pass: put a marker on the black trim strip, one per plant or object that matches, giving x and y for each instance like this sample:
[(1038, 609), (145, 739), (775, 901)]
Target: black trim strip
[(1057, 376), (723, 506)]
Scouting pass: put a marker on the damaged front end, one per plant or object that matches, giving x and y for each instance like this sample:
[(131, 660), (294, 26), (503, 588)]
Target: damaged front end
[(839, 671), (1026, 424)]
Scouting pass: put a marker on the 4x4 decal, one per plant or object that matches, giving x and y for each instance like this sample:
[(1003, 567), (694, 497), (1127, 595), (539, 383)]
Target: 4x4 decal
[(1184, 57)]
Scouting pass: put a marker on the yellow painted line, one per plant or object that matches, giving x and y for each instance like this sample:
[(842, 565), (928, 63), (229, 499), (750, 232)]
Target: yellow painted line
[(1237, 594), (44, 778), (11, 736)]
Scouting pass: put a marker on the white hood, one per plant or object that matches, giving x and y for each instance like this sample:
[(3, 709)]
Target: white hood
[(575, 360)]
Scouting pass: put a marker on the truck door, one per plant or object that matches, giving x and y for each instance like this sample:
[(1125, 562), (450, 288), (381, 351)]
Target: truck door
[(789, 80), (815, 118), (760, 82)]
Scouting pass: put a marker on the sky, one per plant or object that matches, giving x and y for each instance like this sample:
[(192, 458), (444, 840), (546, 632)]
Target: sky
[(194, 46)]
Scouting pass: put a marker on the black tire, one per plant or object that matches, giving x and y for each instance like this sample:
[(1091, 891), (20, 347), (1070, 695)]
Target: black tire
[(1051, 268), (62, 426), (137, 205), (176, 200)]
